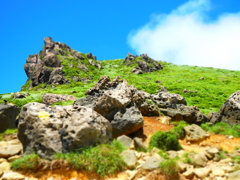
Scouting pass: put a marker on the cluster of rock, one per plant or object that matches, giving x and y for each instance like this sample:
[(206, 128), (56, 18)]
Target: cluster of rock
[(10, 150), (144, 63), (229, 112), (206, 164), (46, 67)]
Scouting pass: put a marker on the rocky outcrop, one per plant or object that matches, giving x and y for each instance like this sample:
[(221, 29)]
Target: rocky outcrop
[(190, 114), (143, 63), (49, 98), (229, 112), (118, 102), (48, 130), (175, 106), (50, 65), (8, 114)]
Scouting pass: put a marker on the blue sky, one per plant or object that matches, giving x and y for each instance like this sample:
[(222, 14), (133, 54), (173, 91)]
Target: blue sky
[(110, 29)]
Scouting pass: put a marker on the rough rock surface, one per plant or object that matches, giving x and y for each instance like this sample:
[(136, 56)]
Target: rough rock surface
[(118, 102), (230, 111), (48, 130), (144, 63), (8, 114), (129, 157), (190, 114), (49, 98), (175, 106), (194, 133)]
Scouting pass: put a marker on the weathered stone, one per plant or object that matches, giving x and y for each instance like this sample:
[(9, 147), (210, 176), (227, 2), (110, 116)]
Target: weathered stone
[(200, 159), (10, 150), (214, 117), (138, 144), (194, 133), (166, 99), (49, 98), (202, 172), (190, 114), (189, 173), (129, 157), (4, 166), (12, 176), (118, 102), (48, 130), (12, 158), (182, 167), (164, 119), (125, 140), (8, 114), (152, 162), (217, 172), (234, 176), (230, 111)]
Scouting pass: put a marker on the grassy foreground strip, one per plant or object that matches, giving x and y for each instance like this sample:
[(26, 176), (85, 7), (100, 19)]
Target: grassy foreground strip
[(103, 159)]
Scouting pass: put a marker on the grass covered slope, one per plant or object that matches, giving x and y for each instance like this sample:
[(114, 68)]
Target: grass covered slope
[(207, 88)]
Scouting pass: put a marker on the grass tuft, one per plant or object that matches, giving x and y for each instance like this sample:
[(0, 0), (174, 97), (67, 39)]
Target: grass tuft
[(169, 167), (28, 162), (164, 141)]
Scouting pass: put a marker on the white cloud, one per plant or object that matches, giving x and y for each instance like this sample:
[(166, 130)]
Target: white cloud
[(188, 36)]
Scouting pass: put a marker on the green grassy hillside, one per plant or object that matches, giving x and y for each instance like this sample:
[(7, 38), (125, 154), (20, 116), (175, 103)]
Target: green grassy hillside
[(207, 88)]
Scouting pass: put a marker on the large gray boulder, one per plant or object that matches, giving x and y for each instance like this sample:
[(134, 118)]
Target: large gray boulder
[(8, 114), (230, 111), (48, 130)]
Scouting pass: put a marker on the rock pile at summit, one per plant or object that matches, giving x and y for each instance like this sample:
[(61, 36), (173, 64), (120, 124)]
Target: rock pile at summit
[(142, 63), (47, 66)]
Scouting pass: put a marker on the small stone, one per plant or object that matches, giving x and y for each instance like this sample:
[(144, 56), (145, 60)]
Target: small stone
[(12, 176), (154, 151), (152, 162), (230, 137), (131, 174), (129, 158), (189, 174), (4, 166), (202, 172), (11, 159), (217, 172), (234, 175)]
